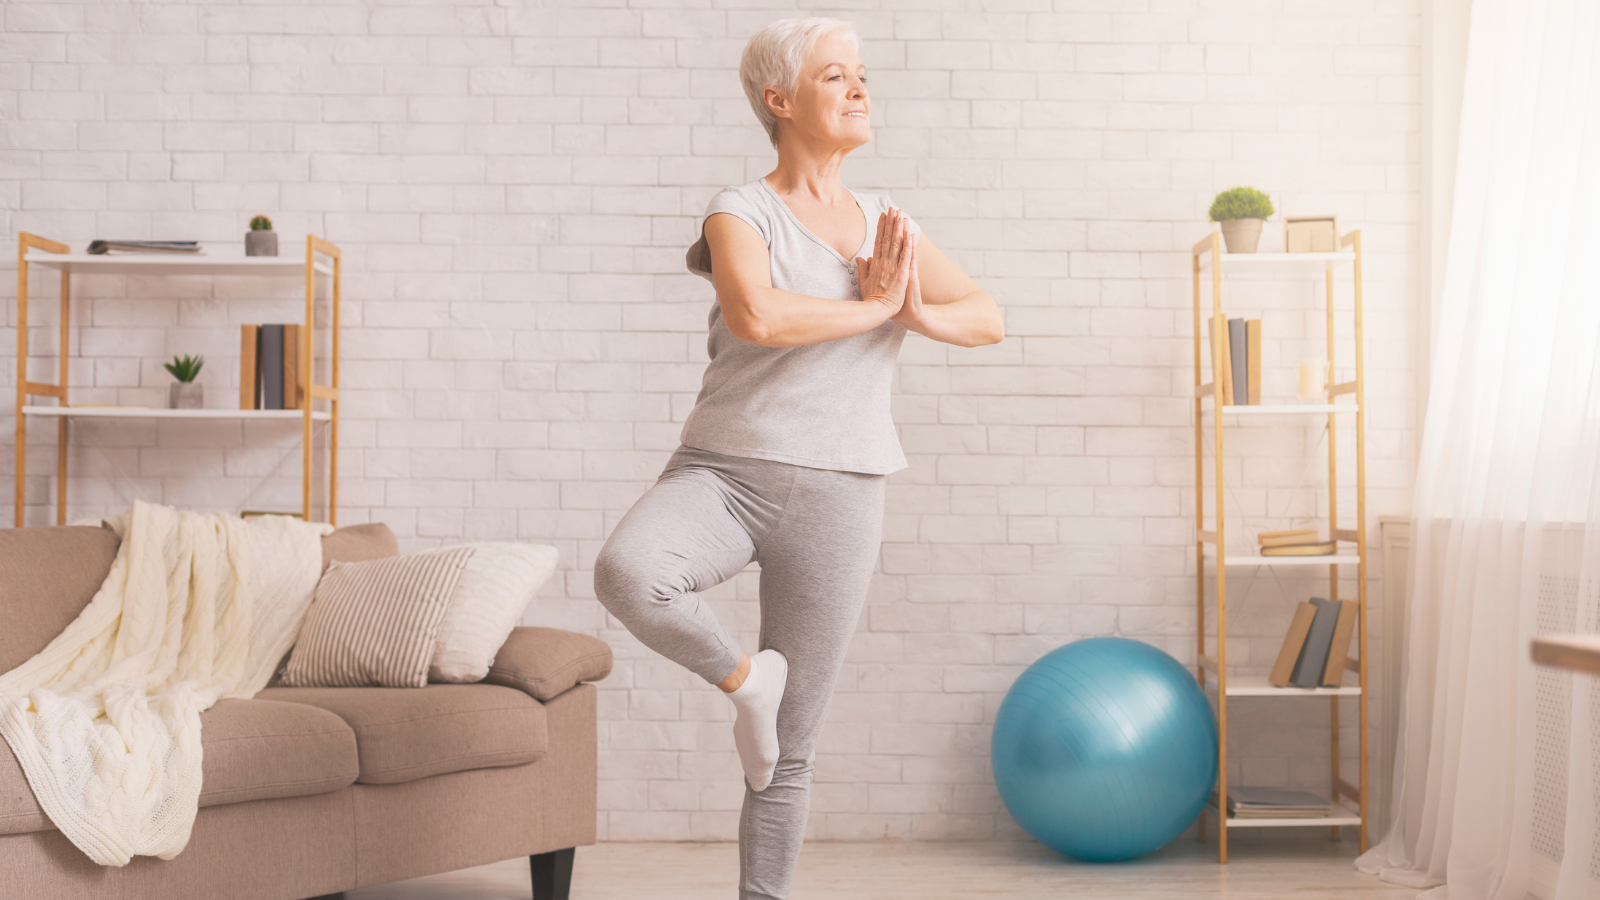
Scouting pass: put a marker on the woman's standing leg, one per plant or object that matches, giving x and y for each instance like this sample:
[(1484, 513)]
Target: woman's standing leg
[(816, 566)]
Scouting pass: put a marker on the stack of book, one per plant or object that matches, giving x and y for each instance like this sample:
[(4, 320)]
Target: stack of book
[(1298, 542), (116, 248), (1241, 361), (1317, 647), (1264, 803), (269, 367)]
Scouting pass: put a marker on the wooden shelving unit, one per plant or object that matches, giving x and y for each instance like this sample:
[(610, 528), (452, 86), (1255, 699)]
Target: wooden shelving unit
[(1211, 543), (54, 255)]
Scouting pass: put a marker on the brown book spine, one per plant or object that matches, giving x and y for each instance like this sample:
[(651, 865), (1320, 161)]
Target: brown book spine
[(1326, 548), (291, 366), (1289, 653), (248, 389), (1339, 650), (1252, 331), (1280, 538)]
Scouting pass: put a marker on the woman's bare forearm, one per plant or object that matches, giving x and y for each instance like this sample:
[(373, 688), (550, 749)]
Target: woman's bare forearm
[(969, 321), (778, 318)]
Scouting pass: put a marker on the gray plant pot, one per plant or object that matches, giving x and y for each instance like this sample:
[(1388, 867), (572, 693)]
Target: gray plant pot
[(261, 243), (1242, 235), (185, 395)]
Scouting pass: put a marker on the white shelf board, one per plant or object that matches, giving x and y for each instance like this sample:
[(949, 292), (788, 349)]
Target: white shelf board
[(1273, 409), (1258, 686), (134, 412), (175, 264), (1254, 260), (1338, 814), (1243, 558)]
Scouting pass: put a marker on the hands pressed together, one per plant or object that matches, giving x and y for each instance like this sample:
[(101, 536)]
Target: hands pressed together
[(890, 276)]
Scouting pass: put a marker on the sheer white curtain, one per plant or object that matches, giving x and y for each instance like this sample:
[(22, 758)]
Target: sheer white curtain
[(1495, 772)]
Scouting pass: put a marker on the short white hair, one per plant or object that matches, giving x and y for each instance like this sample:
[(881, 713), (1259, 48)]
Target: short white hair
[(775, 55)]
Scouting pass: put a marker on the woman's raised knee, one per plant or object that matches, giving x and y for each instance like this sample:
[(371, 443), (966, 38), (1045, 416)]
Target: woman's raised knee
[(626, 579)]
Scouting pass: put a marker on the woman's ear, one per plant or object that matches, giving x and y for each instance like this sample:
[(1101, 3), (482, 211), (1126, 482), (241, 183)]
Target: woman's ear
[(777, 102)]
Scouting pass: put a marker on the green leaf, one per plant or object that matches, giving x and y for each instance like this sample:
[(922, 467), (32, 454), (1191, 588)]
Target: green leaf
[(1240, 203), (185, 368)]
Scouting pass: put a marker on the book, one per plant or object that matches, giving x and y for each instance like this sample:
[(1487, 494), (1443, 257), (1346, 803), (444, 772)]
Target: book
[(1293, 642), (1238, 348), (1339, 648), (249, 385), (270, 356), (291, 366), (1314, 655), (1224, 376), (1326, 548), (1284, 538), (98, 247), (1252, 361), (1267, 803)]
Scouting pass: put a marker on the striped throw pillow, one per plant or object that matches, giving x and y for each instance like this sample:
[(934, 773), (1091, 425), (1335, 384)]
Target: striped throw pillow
[(374, 623)]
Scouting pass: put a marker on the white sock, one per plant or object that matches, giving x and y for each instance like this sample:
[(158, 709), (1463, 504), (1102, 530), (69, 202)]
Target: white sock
[(755, 730)]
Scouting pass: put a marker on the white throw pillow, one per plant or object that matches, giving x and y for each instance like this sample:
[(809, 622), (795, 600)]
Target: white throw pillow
[(496, 586)]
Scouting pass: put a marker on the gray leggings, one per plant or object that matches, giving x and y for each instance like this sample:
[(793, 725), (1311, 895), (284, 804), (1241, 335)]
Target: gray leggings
[(815, 533)]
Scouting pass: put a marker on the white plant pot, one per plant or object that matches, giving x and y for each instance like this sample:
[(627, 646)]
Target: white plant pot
[(1242, 235), (185, 395)]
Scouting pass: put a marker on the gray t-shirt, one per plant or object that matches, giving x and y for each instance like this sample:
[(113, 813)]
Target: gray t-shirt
[(823, 406)]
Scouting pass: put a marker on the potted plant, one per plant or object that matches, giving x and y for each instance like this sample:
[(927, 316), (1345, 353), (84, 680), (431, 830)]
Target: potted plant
[(261, 240), (185, 394), (1241, 211)]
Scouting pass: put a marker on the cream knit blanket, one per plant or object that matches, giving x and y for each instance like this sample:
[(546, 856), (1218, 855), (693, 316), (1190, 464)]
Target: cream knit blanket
[(105, 721)]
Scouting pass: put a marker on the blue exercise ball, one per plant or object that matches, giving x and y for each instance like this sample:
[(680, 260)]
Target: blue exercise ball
[(1105, 749)]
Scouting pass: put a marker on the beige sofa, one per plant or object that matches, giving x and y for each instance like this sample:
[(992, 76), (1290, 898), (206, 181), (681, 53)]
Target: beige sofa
[(313, 791)]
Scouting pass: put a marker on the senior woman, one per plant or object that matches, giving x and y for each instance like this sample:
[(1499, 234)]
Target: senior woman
[(785, 454)]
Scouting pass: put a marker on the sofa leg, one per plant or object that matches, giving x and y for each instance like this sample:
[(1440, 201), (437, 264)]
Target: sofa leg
[(552, 874)]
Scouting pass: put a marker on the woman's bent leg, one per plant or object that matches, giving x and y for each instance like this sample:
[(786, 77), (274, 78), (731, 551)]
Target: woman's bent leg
[(680, 538), (816, 567)]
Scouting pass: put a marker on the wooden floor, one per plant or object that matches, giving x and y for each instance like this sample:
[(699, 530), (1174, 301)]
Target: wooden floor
[(1299, 870)]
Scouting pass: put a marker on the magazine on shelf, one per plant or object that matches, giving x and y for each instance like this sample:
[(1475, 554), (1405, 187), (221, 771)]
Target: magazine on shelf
[(122, 248)]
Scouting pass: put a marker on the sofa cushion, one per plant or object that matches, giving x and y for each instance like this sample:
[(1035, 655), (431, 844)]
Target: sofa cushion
[(544, 662), (47, 576), (252, 750), (403, 734), (359, 543)]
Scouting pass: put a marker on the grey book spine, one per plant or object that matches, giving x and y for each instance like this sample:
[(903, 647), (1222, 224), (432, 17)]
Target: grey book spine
[(1239, 350), (1314, 655), (271, 361)]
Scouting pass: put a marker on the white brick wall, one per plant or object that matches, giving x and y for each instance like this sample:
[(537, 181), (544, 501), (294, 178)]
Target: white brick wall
[(514, 188)]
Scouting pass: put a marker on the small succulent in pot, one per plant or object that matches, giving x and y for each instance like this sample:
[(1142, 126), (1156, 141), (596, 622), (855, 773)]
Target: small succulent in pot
[(185, 394), (261, 240), (1241, 211)]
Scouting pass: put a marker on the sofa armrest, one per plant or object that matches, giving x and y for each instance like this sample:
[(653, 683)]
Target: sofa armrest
[(544, 662)]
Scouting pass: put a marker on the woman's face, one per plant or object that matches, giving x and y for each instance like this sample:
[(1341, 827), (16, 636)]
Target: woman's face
[(831, 105)]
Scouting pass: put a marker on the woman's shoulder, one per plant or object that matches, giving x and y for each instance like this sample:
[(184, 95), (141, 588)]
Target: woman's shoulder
[(738, 198), (746, 201)]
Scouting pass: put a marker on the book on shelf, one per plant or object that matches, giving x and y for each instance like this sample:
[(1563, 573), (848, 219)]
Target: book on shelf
[(1339, 647), (1288, 537), (1238, 349), (1313, 659), (1324, 548), (270, 356), (1269, 803), (249, 371), (269, 367), (1293, 643), (116, 248), (1252, 361)]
